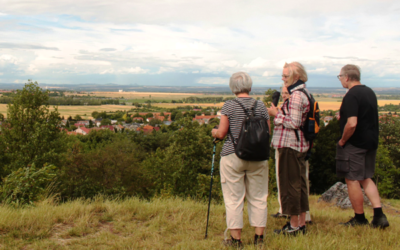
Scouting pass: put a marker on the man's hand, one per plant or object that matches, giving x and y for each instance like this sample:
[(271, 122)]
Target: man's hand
[(273, 111), (341, 143)]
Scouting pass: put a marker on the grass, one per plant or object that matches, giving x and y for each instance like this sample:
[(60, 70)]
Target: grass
[(174, 224)]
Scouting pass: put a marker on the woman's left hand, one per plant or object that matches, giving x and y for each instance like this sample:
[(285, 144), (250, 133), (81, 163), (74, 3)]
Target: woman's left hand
[(214, 132), (272, 111)]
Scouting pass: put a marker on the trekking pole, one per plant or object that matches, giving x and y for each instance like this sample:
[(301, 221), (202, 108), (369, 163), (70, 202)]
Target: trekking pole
[(212, 171)]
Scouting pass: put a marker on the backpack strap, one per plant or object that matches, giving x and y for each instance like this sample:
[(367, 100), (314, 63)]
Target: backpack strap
[(296, 131)]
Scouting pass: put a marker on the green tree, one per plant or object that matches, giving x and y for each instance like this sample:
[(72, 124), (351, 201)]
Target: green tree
[(268, 97), (32, 134), (1, 117), (154, 122), (95, 114), (129, 119), (78, 118), (105, 122), (322, 160)]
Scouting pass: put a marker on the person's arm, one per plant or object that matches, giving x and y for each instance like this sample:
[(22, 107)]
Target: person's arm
[(348, 131), (223, 128)]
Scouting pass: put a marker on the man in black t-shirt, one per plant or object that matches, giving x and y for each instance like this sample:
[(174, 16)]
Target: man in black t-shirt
[(356, 150)]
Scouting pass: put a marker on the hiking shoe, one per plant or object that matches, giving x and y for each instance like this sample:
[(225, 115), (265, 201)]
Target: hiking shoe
[(380, 222), (287, 229), (303, 229), (354, 222), (279, 215), (233, 243), (258, 240)]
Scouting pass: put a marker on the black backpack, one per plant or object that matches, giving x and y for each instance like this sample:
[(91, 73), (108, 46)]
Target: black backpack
[(253, 141)]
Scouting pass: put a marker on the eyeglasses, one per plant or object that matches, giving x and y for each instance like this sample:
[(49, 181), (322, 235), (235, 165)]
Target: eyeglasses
[(338, 76), (285, 76)]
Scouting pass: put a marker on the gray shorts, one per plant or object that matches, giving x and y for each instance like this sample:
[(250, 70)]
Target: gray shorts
[(354, 163)]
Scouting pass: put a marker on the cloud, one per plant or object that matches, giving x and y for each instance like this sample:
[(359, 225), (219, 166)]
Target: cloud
[(207, 39), (25, 46), (108, 49)]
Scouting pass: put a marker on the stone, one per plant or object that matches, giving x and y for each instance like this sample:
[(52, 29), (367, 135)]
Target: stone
[(339, 195)]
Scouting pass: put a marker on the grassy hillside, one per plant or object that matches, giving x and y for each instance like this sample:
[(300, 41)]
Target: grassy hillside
[(175, 224)]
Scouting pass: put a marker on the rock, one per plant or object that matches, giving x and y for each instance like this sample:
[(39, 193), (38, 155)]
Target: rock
[(339, 195)]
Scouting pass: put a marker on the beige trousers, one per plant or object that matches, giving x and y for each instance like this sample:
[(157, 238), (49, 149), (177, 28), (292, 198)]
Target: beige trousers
[(240, 179), (308, 216)]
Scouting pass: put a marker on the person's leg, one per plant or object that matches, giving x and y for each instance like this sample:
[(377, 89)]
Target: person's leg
[(277, 179), (355, 195), (256, 182), (233, 190), (372, 192), (304, 188), (308, 216)]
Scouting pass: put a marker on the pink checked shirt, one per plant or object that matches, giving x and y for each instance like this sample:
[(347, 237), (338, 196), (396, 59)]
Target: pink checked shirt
[(285, 125)]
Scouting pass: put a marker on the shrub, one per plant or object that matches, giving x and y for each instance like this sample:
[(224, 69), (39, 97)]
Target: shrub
[(27, 185)]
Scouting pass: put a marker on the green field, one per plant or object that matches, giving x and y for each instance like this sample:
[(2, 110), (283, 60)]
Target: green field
[(176, 224)]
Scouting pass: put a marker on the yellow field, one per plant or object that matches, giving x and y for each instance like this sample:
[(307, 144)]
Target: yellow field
[(84, 111)]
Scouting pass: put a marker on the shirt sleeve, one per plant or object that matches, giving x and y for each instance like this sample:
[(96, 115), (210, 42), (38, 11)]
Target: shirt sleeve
[(264, 112), (293, 119), (227, 109), (351, 105)]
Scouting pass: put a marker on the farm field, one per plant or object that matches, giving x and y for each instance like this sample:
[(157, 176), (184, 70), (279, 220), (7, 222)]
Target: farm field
[(85, 111)]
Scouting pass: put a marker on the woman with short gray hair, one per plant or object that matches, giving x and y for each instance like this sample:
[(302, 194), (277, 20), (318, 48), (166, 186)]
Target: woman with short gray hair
[(242, 178)]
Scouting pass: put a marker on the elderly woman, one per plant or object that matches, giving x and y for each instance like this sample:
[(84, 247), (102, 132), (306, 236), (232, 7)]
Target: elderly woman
[(241, 178), (292, 148), (285, 98)]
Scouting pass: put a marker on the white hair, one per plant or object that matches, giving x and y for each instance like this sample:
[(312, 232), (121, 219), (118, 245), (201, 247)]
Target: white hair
[(240, 82)]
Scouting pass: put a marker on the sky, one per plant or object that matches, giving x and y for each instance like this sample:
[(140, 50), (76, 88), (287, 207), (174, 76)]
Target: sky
[(180, 42)]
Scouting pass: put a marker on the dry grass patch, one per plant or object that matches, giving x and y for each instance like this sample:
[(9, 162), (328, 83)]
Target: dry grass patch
[(174, 224)]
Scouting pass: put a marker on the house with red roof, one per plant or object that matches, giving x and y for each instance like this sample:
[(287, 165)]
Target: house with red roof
[(82, 131), (204, 119)]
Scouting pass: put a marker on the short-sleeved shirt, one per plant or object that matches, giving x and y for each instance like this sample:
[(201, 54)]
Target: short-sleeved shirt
[(236, 115), (360, 101)]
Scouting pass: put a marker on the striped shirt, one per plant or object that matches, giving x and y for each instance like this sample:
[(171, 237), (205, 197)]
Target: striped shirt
[(236, 115), (286, 125)]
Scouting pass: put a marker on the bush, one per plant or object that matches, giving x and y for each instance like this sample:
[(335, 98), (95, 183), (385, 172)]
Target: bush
[(27, 185)]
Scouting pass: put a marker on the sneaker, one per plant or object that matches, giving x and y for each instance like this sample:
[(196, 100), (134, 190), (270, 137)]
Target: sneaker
[(287, 229), (380, 222), (354, 222), (303, 229), (278, 215), (233, 243), (258, 240)]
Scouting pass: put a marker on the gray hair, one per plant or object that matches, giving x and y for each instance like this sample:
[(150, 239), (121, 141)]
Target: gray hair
[(240, 82), (352, 72)]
